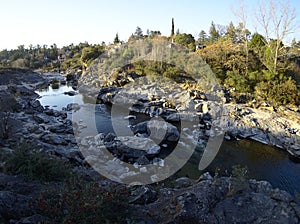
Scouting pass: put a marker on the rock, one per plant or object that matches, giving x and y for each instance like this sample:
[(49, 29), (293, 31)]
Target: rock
[(253, 208), (183, 182), (54, 139), (34, 219), (157, 129), (52, 112), (41, 118), (71, 93), (8, 103), (205, 176), (14, 206), (61, 128), (73, 106), (145, 145), (109, 137), (71, 77), (175, 117), (143, 160), (36, 105), (143, 195), (280, 195)]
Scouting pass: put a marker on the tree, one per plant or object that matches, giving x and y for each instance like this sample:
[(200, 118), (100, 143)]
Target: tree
[(138, 33), (214, 35), (241, 31), (202, 38), (277, 20), (231, 32), (186, 40), (116, 40), (172, 30), (90, 53)]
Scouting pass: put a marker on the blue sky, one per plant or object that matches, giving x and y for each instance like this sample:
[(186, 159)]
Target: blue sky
[(73, 21)]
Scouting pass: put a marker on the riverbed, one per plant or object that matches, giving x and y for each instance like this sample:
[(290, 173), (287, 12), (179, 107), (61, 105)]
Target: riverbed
[(263, 162)]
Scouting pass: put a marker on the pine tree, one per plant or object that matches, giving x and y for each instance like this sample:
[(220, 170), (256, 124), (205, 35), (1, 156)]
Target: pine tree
[(214, 34)]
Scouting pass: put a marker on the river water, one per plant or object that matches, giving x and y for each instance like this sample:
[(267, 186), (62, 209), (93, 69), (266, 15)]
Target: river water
[(263, 162)]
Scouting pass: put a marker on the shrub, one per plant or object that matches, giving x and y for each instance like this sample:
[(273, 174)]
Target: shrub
[(36, 165), (277, 92), (85, 202), (239, 180)]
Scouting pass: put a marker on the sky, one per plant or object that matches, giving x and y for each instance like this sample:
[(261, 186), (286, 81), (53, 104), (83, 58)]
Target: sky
[(73, 21)]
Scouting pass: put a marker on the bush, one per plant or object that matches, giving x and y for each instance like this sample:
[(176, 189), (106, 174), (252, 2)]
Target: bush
[(239, 180), (85, 202), (36, 165), (277, 93)]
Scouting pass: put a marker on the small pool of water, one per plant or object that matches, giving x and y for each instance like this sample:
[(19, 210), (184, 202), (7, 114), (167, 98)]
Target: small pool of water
[(55, 97)]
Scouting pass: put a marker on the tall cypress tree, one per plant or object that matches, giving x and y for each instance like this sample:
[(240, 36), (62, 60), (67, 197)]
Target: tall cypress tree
[(172, 31)]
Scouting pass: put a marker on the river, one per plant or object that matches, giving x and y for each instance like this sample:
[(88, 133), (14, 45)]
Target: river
[(263, 162)]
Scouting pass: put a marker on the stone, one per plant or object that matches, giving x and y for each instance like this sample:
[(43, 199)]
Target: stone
[(14, 206), (183, 182), (71, 93), (143, 195), (54, 139), (73, 106), (61, 128), (34, 219), (253, 208), (141, 144), (41, 118), (157, 129)]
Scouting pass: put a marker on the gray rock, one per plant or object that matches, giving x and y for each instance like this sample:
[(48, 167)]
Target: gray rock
[(54, 139), (61, 128), (14, 206), (73, 106), (34, 219), (183, 182), (143, 195), (71, 93), (41, 118), (157, 129), (253, 208), (144, 145)]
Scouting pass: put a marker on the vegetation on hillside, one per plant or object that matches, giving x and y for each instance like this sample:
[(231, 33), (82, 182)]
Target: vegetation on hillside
[(250, 66)]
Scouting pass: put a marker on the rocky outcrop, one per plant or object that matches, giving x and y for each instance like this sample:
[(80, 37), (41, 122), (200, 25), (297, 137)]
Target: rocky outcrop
[(214, 200), (265, 126)]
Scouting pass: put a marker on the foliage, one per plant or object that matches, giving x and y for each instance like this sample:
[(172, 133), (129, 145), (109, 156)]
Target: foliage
[(186, 40), (116, 40), (278, 92), (85, 202), (90, 53), (239, 180), (36, 165)]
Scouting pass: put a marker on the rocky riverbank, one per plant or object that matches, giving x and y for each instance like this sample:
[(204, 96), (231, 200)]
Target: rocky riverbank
[(207, 200), (278, 127)]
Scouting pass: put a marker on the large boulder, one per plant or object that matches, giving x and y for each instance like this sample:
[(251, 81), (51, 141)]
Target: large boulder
[(157, 129)]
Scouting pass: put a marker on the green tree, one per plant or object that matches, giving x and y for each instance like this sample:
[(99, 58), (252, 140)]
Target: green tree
[(90, 53), (116, 40), (202, 38), (186, 40), (172, 29), (231, 32), (214, 34)]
